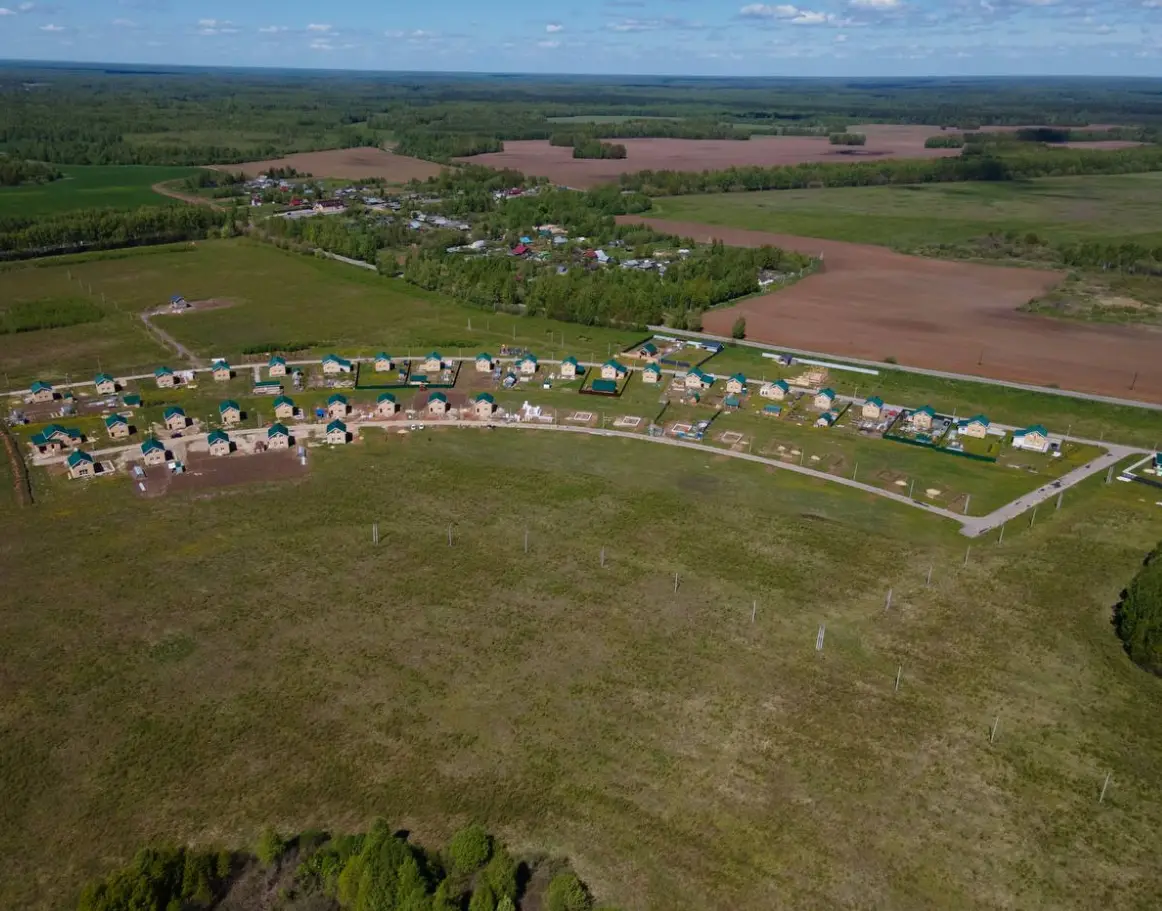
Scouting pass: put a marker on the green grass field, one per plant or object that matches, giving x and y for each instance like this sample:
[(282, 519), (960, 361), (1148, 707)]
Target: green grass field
[(1106, 208), (92, 187), (199, 667)]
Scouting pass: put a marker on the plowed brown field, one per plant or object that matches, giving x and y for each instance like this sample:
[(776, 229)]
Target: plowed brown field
[(870, 302), (347, 164)]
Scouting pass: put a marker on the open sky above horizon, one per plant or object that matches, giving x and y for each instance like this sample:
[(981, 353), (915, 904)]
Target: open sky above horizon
[(665, 37)]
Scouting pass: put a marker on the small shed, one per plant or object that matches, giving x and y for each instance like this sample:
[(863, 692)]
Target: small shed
[(131, 401), (612, 370), (773, 409), (437, 404), (384, 362), (175, 418), (152, 452), (484, 362), (80, 465), (337, 433), (976, 426), (873, 408), (267, 387), (277, 437), (276, 366), (221, 371), (219, 443), (42, 392), (484, 405), (337, 406), (570, 368), (117, 427), (736, 385), (164, 378), (433, 363), (777, 390), (386, 404), (824, 399), (527, 365), (651, 373), (284, 407), (105, 384), (333, 364), (229, 412)]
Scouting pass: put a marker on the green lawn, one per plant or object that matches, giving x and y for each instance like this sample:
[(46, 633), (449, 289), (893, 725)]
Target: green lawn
[(1105, 208), (92, 187), (199, 667)]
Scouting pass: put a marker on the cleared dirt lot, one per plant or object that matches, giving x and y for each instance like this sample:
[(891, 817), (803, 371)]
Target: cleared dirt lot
[(349, 164), (538, 158), (873, 303)]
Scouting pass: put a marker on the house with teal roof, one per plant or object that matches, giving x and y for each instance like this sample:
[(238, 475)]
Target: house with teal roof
[(873, 408), (337, 433), (80, 465), (152, 452), (338, 406), (175, 418), (117, 427), (976, 426), (736, 385), (433, 363), (485, 362), (922, 418), (651, 373), (778, 390), (229, 412), (220, 371), (527, 365), (276, 366), (695, 379), (164, 377), (824, 399), (277, 437), (437, 404), (333, 364), (105, 384), (484, 404), (41, 392), (284, 407), (1032, 439), (219, 443), (612, 370), (384, 363), (386, 404), (570, 368)]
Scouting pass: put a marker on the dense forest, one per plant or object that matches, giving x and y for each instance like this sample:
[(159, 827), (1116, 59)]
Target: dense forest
[(380, 870), (102, 229), (1139, 615), (78, 114)]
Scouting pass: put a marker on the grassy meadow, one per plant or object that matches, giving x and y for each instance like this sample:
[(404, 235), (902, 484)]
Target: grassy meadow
[(1107, 208), (92, 187), (199, 669)]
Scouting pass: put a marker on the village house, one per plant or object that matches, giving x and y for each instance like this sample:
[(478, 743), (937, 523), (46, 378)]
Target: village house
[(527, 365), (221, 372), (219, 443), (284, 408), (105, 384), (117, 427), (229, 412), (612, 370), (873, 408), (384, 363), (175, 418), (277, 437), (152, 452), (570, 368), (41, 392), (736, 385), (333, 365), (922, 418), (54, 438), (484, 362), (648, 352), (276, 366), (437, 404), (824, 399), (80, 465), (777, 390), (652, 374), (696, 379), (1032, 439), (267, 387), (433, 363), (337, 406), (337, 433), (386, 404), (976, 426), (484, 405), (164, 378)]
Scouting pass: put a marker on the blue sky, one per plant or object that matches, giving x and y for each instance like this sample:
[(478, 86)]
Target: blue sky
[(697, 37)]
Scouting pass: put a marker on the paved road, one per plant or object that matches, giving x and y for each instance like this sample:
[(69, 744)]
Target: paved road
[(880, 365)]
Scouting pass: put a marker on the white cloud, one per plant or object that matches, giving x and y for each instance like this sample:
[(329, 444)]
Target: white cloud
[(879, 5), (320, 44), (211, 23), (125, 23), (25, 7), (318, 27), (548, 44), (52, 28), (635, 25), (785, 12), (393, 33), (272, 29), (553, 27), (5, 11)]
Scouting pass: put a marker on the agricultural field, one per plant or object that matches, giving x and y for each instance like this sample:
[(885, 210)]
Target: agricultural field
[(1109, 208), (683, 755), (92, 187), (346, 163)]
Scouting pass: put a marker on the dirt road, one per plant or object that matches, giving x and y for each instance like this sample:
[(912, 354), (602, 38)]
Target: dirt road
[(164, 190), (870, 302)]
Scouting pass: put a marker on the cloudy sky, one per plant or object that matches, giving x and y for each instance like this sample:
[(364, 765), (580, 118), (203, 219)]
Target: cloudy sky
[(704, 37)]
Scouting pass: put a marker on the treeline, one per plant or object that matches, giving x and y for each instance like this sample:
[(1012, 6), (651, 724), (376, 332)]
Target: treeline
[(1019, 165), (14, 172), (376, 871), (945, 141), (356, 238), (1139, 615), (443, 147), (593, 295), (595, 148), (847, 139), (1088, 256), (103, 229)]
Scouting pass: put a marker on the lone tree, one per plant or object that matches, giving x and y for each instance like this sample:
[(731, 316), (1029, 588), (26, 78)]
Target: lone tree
[(1139, 616), (738, 330)]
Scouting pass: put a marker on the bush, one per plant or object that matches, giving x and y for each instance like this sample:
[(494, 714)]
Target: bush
[(847, 139), (500, 873), (482, 899), (738, 330), (469, 849), (1139, 616), (270, 846), (567, 893)]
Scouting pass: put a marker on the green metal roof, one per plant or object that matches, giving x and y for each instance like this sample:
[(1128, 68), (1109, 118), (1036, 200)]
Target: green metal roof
[(336, 425), (219, 365), (262, 384), (218, 436), (486, 397), (928, 410), (337, 397), (570, 360), (649, 348), (621, 368), (527, 357), (78, 458), (1036, 428), (435, 355), (335, 359), (484, 356), (103, 378), (115, 419), (150, 445), (783, 384), (652, 368), (276, 360), (977, 417), (284, 400), (605, 385), (174, 411), (740, 378), (385, 397), (733, 401), (277, 430), (132, 400), (875, 400), (828, 392), (438, 397), (163, 371), (773, 409), (227, 405), (383, 356), (39, 386)]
